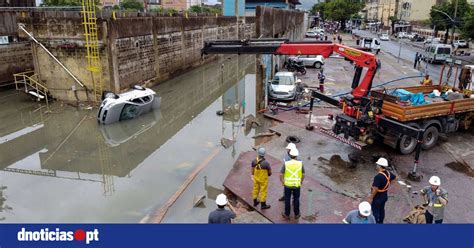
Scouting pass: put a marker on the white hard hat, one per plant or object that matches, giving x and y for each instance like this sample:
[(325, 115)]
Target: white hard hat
[(365, 209), (261, 151), (382, 162), (298, 80), (290, 146), (434, 180), (294, 152), (221, 200)]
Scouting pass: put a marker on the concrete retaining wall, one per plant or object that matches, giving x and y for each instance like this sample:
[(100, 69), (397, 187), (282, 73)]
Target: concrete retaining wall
[(133, 50), (14, 58), (138, 49)]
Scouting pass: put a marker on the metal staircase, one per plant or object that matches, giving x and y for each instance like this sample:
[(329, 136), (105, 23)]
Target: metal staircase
[(32, 86)]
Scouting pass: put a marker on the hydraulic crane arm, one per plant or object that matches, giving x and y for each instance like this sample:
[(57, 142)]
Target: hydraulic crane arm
[(283, 47)]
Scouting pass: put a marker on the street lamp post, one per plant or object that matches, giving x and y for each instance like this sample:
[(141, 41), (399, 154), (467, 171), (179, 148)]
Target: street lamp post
[(450, 18)]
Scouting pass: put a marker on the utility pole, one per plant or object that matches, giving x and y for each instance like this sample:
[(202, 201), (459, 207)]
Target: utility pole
[(454, 24)]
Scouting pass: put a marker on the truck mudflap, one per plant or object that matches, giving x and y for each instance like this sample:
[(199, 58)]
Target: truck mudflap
[(356, 144)]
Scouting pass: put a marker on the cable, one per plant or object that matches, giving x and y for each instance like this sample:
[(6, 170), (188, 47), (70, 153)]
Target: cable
[(382, 84)]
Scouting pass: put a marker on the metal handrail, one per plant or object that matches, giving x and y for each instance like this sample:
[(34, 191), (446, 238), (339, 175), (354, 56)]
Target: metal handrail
[(33, 82)]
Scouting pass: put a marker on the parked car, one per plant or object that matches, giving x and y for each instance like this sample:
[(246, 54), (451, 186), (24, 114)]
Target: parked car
[(431, 40), (384, 37), (460, 44), (316, 61), (418, 38), (411, 35), (311, 34), (318, 30), (283, 86), (437, 53), (128, 105), (401, 35)]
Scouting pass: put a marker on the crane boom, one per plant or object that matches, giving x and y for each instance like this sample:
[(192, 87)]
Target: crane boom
[(284, 47)]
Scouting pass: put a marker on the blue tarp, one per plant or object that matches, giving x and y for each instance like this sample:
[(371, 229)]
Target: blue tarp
[(414, 98)]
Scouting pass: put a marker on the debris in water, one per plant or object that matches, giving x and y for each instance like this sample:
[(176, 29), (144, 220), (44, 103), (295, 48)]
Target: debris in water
[(226, 143), (251, 122), (198, 200), (263, 135)]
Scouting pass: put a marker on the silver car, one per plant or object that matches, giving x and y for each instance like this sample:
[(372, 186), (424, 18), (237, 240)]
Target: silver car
[(283, 86), (127, 105), (316, 61)]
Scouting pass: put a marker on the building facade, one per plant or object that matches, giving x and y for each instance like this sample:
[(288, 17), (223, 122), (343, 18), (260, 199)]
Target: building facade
[(381, 10), (416, 10), (180, 4), (251, 5)]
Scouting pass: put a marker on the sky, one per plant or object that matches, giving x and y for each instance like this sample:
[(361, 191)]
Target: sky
[(307, 4)]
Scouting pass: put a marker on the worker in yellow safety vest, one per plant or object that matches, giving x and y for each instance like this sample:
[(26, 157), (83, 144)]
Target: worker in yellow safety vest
[(436, 198), (292, 176), (426, 80), (261, 170)]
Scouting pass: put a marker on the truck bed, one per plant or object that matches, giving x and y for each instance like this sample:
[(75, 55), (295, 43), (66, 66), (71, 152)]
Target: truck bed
[(392, 107)]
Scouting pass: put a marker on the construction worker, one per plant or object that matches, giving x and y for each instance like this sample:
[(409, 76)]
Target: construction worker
[(435, 198), (287, 158), (380, 185), (426, 80), (363, 215), (321, 78), (221, 215), (261, 170), (292, 176)]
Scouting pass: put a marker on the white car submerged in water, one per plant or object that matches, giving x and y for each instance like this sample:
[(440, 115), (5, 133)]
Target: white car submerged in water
[(128, 105)]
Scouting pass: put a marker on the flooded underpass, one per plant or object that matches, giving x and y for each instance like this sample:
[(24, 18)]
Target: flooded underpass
[(64, 167)]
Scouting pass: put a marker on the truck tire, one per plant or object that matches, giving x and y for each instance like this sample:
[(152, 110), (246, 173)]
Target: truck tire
[(318, 65), (430, 138), (406, 144)]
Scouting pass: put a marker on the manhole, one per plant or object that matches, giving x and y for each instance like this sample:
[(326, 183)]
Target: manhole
[(292, 139)]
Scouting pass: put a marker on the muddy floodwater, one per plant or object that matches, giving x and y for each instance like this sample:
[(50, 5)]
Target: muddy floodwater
[(64, 167)]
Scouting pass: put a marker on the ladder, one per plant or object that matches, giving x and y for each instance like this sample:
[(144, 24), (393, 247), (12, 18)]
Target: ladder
[(92, 46)]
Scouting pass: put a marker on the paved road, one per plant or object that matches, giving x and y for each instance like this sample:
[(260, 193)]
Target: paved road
[(407, 53)]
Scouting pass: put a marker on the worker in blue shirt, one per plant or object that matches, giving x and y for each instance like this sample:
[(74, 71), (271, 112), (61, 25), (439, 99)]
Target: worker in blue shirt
[(378, 196)]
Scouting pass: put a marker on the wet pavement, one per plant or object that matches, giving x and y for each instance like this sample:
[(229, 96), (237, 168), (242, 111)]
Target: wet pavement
[(64, 167)]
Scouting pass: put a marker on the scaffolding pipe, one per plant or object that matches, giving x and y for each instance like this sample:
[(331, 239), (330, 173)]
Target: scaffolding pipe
[(52, 56)]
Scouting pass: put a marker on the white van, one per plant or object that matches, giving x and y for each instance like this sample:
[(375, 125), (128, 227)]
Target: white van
[(372, 43), (437, 53)]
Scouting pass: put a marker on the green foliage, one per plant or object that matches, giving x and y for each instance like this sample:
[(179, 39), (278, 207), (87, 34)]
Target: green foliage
[(467, 29), (338, 10), (52, 3), (131, 5), (205, 9), (440, 20)]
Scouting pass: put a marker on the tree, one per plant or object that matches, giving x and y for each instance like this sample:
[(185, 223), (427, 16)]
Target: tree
[(52, 3), (467, 29), (440, 21), (338, 10), (393, 20), (131, 5)]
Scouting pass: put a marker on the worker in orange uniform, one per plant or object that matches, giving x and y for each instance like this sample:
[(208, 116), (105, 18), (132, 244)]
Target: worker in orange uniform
[(261, 170), (426, 81)]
